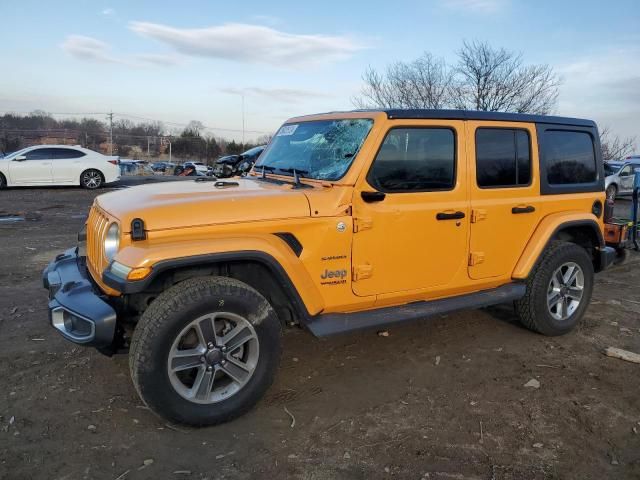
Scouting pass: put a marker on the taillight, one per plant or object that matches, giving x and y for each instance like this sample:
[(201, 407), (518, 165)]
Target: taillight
[(113, 162)]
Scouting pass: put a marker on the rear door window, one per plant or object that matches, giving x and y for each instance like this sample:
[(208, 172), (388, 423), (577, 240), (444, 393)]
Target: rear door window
[(64, 153), (503, 158)]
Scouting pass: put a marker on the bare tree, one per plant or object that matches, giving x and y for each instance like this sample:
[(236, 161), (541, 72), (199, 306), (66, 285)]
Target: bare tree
[(614, 147), (424, 83), (497, 80), (484, 78)]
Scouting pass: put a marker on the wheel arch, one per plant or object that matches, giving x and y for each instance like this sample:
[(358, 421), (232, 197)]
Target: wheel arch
[(257, 269), (582, 229)]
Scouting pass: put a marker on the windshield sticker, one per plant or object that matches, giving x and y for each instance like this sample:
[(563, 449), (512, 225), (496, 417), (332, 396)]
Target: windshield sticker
[(287, 130)]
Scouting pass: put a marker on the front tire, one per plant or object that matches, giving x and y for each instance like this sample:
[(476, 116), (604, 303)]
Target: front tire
[(558, 290), (205, 351), (612, 192), (91, 179), (3, 182)]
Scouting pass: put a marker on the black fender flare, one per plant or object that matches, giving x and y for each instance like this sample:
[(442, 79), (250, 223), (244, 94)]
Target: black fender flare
[(127, 287)]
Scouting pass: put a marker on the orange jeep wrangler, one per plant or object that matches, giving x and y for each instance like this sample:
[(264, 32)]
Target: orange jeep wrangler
[(348, 221)]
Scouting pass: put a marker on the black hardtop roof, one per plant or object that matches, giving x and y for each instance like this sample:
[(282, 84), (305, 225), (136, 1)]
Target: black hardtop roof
[(479, 115)]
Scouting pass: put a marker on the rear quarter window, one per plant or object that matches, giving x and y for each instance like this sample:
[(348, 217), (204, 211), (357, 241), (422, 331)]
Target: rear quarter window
[(570, 157)]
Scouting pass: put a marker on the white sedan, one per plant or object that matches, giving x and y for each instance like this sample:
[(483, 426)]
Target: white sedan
[(44, 165)]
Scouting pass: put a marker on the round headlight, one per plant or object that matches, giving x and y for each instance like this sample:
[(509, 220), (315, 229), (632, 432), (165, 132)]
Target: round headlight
[(112, 241)]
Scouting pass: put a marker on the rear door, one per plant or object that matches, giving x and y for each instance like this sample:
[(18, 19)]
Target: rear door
[(626, 179), (36, 169), (505, 195), (411, 210), (67, 165)]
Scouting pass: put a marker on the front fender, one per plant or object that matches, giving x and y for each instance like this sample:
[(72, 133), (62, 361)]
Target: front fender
[(268, 249), (545, 231)]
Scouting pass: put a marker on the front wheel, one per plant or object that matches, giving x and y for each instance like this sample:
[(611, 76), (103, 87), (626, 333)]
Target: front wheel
[(558, 290), (612, 192), (205, 351), (91, 179)]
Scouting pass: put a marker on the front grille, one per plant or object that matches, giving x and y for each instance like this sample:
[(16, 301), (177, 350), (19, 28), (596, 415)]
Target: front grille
[(97, 225)]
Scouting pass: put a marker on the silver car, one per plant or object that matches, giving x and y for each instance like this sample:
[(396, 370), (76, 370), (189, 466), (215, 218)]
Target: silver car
[(619, 176)]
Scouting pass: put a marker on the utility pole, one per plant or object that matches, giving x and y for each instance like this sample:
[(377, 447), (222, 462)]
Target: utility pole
[(110, 116), (243, 119), (169, 148), (148, 146)]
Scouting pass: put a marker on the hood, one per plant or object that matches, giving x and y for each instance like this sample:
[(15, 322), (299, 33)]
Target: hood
[(190, 203)]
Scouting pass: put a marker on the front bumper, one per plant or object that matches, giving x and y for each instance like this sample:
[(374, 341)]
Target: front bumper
[(76, 308), (608, 256)]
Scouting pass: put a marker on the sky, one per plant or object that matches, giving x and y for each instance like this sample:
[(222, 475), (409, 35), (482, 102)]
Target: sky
[(196, 60)]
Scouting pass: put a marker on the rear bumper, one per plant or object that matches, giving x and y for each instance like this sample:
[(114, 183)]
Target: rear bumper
[(76, 308)]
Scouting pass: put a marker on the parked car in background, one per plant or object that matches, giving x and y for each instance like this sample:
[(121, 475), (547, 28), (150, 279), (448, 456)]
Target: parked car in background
[(58, 165), (163, 167), (135, 167), (620, 175), (199, 166), (231, 165)]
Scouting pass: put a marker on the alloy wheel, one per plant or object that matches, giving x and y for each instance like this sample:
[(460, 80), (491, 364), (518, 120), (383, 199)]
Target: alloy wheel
[(565, 290), (213, 357), (91, 179)]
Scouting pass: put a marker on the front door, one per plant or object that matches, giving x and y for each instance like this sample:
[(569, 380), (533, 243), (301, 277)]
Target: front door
[(505, 195), (411, 212), (35, 169)]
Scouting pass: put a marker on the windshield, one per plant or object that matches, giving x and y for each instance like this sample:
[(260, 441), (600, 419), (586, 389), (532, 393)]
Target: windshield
[(611, 168), (322, 149)]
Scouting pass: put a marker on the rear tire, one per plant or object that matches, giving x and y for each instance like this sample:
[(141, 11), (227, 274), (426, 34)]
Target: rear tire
[(91, 179), (181, 365), (558, 290)]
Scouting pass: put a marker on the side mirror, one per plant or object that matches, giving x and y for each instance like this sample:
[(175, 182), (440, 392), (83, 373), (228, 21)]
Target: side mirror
[(624, 174), (20, 158)]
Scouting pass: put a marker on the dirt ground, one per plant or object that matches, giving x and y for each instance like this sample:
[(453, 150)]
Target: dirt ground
[(440, 399)]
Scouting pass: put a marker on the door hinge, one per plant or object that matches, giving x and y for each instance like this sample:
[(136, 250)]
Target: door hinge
[(478, 214), (361, 272), (476, 258), (360, 224)]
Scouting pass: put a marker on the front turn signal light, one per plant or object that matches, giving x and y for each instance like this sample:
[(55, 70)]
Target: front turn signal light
[(139, 273)]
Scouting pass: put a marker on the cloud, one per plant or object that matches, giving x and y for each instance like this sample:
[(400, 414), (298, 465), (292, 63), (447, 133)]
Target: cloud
[(157, 59), (251, 44), (283, 95), (88, 48), (479, 6), (108, 12), (93, 50)]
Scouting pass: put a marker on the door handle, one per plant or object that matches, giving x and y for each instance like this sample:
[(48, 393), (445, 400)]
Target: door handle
[(449, 215), (527, 209), (371, 197)]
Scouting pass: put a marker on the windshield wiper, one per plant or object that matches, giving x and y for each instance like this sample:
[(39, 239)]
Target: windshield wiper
[(296, 175), (266, 168)]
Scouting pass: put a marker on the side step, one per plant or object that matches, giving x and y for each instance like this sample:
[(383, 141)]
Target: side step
[(336, 323)]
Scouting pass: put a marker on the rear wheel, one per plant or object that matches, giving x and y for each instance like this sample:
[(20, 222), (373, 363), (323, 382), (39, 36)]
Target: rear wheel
[(558, 290), (612, 191), (91, 179), (205, 351)]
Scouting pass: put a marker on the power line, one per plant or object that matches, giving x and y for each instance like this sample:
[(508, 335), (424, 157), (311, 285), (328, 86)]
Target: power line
[(147, 119)]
